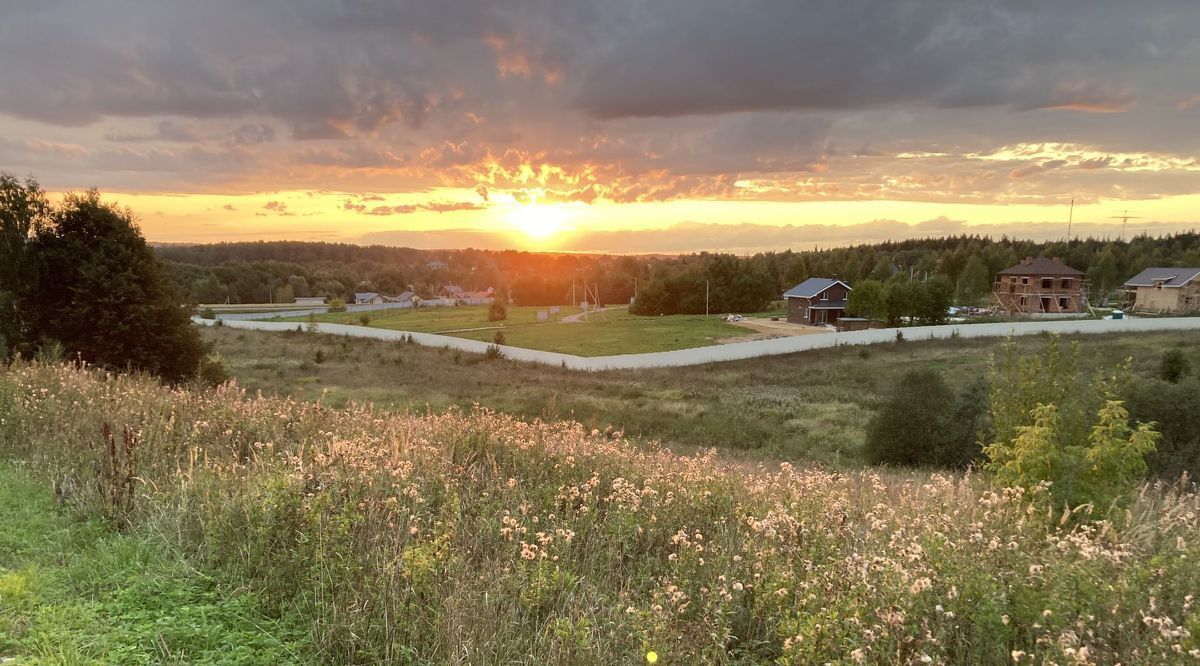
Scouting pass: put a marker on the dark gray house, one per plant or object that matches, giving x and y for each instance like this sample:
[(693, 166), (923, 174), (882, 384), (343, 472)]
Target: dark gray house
[(817, 301)]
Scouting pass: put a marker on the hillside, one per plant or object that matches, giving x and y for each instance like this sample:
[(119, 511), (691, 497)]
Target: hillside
[(474, 537)]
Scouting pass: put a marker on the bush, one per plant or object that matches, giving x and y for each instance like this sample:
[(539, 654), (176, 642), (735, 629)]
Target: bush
[(208, 313), (337, 305), (1050, 426), (924, 423), (497, 311), (493, 353), (499, 338), (213, 371), (319, 356), (1174, 408), (1173, 366), (364, 319)]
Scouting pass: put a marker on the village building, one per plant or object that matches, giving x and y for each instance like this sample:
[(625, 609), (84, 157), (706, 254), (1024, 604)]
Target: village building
[(1165, 290), (404, 297), (1040, 286), (368, 298), (817, 301)]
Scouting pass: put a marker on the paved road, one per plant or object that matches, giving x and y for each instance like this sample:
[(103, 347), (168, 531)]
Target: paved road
[(742, 350)]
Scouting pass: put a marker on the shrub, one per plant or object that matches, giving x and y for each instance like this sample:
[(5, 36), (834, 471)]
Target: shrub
[(364, 319), (497, 311), (1173, 366), (1174, 408), (925, 423), (493, 353), (208, 313), (337, 305), (319, 356), (213, 371), (1050, 426), (499, 338), (312, 323)]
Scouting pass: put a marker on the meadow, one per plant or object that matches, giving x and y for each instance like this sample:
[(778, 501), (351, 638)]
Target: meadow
[(474, 537), (808, 406), (615, 332)]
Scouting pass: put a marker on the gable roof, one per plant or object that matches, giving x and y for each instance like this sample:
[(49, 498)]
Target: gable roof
[(364, 295), (404, 297), (1170, 277), (1040, 266), (812, 287)]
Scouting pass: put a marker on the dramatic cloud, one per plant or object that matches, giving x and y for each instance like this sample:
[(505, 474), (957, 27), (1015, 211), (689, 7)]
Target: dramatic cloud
[(951, 101)]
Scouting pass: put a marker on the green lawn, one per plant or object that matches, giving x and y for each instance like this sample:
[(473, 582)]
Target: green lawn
[(75, 592), (616, 332), (440, 320), (619, 332)]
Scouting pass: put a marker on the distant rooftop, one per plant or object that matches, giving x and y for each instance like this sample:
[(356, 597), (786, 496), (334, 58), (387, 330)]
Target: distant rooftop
[(1169, 277), (1041, 266), (812, 287)]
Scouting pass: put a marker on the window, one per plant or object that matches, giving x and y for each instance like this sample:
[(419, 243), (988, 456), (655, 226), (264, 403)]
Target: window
[(1066, 283), (824, 295), (1022, 301), (1064, 303), (1047, 283), (1024, 280)]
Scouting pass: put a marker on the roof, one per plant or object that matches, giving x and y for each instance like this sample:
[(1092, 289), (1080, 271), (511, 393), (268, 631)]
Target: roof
[(452, 289), (364, 295), (812, 287), (1040, 266), (402, 298), (1170, 277)]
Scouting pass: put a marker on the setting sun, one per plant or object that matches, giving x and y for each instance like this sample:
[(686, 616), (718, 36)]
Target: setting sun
[(539, 221)]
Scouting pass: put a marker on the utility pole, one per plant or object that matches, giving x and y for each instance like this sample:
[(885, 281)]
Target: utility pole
[(1070, 218), (706, 298)]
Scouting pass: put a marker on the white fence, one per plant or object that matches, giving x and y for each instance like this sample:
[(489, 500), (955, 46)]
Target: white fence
[(743, 350)]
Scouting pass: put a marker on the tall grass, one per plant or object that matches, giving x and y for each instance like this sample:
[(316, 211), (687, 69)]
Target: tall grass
[(477, 538)]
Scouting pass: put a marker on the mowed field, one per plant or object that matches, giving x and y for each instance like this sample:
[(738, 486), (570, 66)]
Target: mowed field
[(806, 406), (615, 332)]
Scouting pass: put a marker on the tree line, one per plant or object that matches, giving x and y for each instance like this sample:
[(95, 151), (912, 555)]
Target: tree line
[(78, 281)]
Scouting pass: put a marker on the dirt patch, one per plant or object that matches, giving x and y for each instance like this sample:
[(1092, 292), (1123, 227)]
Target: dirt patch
[(778, 329)]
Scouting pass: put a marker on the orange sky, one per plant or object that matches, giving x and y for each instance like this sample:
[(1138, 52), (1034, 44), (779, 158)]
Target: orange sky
[(611, 126)]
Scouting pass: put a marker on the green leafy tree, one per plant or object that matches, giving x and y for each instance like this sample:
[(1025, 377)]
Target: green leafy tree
[(935, 296), (101, 293), (924, 423), (23, 209), (208, 289), (975, 281), (867, 300)]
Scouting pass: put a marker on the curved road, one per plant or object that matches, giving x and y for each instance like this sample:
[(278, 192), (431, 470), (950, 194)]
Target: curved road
[(740, 350)]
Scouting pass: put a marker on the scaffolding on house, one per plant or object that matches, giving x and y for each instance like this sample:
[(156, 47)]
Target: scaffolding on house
[(1035, 297)]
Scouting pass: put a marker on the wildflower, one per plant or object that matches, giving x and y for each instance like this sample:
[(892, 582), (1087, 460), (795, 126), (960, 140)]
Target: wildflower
[(651, 657)]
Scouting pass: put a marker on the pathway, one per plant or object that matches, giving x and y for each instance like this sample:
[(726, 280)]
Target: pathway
[(741, 350)]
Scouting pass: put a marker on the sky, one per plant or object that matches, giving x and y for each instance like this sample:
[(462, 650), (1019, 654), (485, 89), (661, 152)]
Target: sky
[(611, 125)]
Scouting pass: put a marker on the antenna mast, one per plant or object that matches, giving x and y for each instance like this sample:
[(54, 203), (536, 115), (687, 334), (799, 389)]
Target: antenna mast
[(1070, 219), (1124, 220)]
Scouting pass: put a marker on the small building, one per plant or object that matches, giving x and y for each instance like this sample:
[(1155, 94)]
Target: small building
[(1040, 286), (368, 298), (310, 300), (853, 324), (403, 297), (437, 265), (817, 301), (1165, 290), (452, 291)]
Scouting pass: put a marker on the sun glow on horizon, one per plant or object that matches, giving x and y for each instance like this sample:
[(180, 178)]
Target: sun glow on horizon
[(540, 222)]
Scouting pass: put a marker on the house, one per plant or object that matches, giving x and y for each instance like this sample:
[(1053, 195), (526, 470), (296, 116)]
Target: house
[(404, 297), (437, 265), (310, 300), (817, 301), (453, 292), (368, 297), (1165, 290), (1039, 286)]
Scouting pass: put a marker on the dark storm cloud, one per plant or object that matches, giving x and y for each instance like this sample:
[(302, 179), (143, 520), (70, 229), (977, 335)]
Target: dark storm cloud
[(620, 100)]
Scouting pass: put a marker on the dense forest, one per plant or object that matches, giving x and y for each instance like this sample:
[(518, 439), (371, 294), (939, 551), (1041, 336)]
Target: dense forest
[(280, 271)]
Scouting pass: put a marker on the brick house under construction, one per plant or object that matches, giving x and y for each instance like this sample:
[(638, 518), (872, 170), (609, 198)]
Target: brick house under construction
[(1038, 286)]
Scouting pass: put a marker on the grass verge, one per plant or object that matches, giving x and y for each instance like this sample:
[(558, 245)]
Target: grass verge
[(74, 592)]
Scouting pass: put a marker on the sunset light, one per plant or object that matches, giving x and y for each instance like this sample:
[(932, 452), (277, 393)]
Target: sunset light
[(540, 222)]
